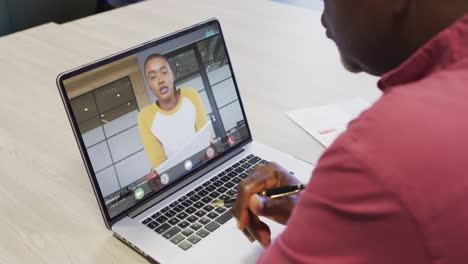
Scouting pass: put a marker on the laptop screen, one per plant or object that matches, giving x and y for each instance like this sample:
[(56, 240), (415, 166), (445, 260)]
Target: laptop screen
[(149, 118)]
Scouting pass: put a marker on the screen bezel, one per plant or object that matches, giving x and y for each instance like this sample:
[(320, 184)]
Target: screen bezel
[(109, 221)]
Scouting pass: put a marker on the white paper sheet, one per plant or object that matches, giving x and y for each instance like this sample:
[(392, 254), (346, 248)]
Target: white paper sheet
[(200, 141), (326, 123)]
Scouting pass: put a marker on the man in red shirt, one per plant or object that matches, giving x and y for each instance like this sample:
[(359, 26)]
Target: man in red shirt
[(394, 187)]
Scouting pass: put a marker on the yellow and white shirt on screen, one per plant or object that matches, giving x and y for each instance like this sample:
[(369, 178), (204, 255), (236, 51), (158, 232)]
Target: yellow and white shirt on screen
[(164, 132)]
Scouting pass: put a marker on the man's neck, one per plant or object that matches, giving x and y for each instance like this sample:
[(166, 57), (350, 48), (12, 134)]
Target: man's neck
[(427, 23)]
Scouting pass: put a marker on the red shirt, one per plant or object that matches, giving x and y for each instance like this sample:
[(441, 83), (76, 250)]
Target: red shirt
[(394, 187)]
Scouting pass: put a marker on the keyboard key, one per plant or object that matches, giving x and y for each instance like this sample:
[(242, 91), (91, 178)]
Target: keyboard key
[(183, 224), (200, 213), (236, 180), (207, 200), (198, 205), (204, 221), (195, 198), (156, 215), (190, 210), (231, 193), (222, 189), (232, 174), (249, 171), (194, 239), (181, 199), (220, 209), (208, 208), (192, 219), (206, 183), (172, 232), (229, 185), (202, 233), (182, 215), (222, 174), (218, 183), (174, 204), (187, 232), (147, 220), (228, 170), (239, 170), (250, 156), (173, 221), (212, 215), (179, 208), (212, 226), (225, 179), (165, 209), (190, 194), (214, 194), (243, 175), (196, 226), (235, 165), (152, 225), (161, 219), (199, 188), (170, 214), (254, 160), (224, 197), (162, 228), (186, 203), (246, 166), (210, 188), (242, 160), (185, 245), (224, 217), (263, 162), (213, 179), (177, 239), (202, 193)]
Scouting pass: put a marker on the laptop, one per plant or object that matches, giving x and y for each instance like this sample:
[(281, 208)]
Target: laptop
[(163, 133)]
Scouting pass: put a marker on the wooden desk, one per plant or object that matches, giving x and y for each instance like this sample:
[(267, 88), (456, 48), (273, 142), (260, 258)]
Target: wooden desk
[(48, 210)]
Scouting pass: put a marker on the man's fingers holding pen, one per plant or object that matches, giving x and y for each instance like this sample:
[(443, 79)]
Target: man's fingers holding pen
[(277, 210), (258, 231), (257, 181), (249, 205), (248, 235), (263, 177)]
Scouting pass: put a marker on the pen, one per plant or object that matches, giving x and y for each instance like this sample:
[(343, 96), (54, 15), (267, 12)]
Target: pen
[(273, 193)]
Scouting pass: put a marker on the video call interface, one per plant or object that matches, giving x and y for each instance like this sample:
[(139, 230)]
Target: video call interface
[(151, 118)]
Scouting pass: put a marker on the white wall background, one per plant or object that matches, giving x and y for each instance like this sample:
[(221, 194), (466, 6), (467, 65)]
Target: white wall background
[(224, 92), (312, 4), (126, 161)]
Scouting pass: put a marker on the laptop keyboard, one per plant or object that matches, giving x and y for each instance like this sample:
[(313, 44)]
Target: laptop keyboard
[(191, 218)]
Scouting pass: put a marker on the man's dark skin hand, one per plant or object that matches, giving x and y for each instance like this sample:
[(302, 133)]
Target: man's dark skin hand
[(249, 206), (372, 36)]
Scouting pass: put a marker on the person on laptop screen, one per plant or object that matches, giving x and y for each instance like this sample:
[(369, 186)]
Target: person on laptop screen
[(177, 115)]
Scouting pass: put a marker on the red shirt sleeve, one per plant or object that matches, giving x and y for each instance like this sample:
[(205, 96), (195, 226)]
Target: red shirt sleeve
[(347, 216)]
